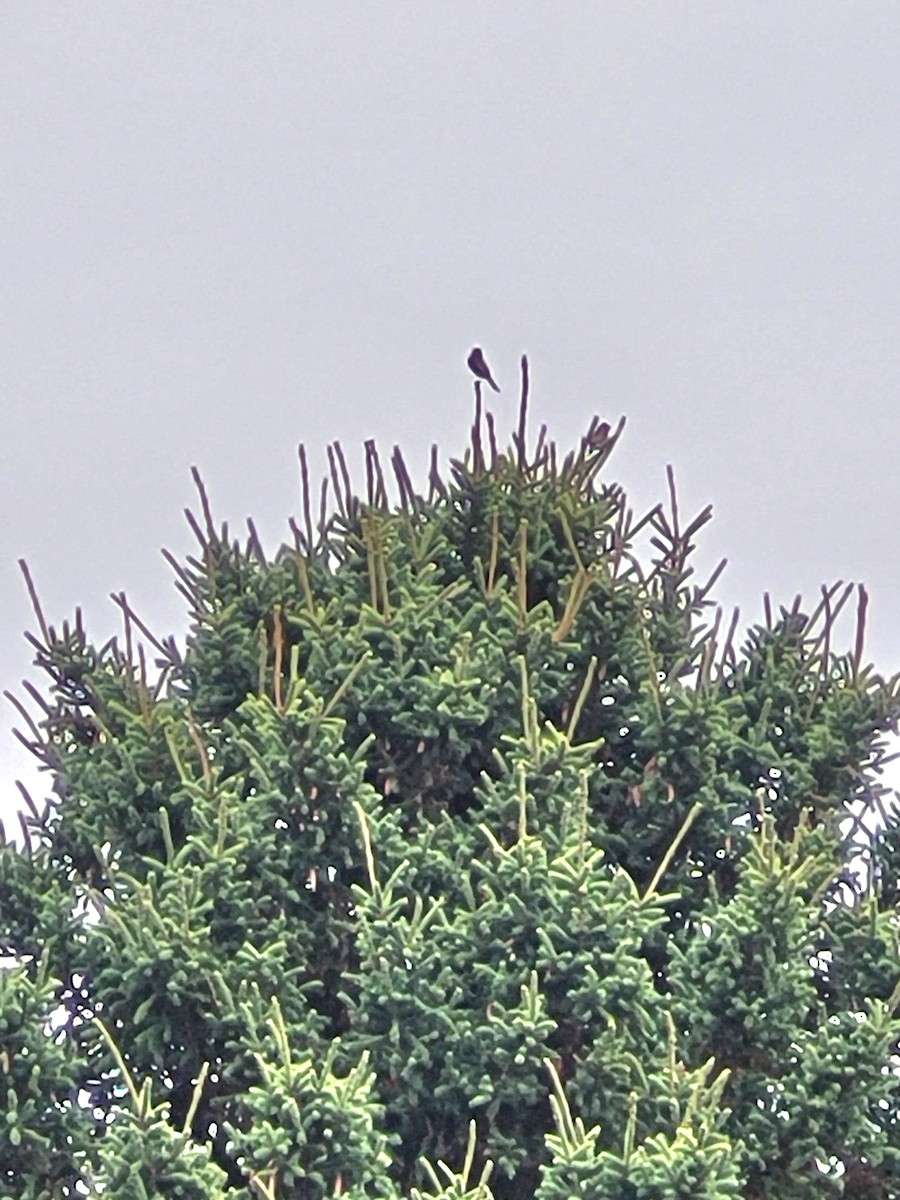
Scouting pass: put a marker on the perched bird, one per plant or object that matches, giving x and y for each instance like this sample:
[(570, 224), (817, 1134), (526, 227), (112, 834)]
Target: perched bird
[(479, 367)]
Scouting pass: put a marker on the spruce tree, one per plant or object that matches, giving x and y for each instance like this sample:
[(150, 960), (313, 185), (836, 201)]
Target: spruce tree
[(461, 851)]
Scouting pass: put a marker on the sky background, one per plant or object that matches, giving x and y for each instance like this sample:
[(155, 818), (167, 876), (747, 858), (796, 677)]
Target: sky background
[(228, 227)]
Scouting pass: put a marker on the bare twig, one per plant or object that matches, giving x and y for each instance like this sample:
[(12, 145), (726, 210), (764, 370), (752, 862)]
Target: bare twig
[(35, 603)]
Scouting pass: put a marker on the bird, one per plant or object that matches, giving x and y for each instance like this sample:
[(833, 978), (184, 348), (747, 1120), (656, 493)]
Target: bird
[(479, 367)]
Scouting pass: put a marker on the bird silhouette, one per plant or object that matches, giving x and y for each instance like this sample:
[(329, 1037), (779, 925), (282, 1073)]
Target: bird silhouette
[(479, 367)]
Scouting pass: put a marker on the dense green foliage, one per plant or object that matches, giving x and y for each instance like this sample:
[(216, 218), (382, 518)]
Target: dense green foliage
[(460, 852)]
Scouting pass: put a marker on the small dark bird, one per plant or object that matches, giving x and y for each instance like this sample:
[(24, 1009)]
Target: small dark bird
[(598, 434), (479, 367)]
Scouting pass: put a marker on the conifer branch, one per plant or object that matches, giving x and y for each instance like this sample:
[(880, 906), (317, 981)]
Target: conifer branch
[(306, 586), (200, 747), (345, 684), (305, 503), (121, 1064), (672, 851), (205, 507), (861, 610), (578, 590), (350, 501), (367, 846), (278, 645), (254, 544), (36, 604), (25, 715), (582, 697), (128, 611), (262, 658), (519, 438), (522, 574), (495, 551), (435, 483), (195, 1099), (492, 438), (166, 827), (142, 690), (335, 483)]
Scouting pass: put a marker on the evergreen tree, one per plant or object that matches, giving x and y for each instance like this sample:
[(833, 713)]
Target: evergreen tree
[(461, 851)]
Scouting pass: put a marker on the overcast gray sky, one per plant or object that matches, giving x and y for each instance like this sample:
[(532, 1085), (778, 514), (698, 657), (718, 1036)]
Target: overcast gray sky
[(229, 227)]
